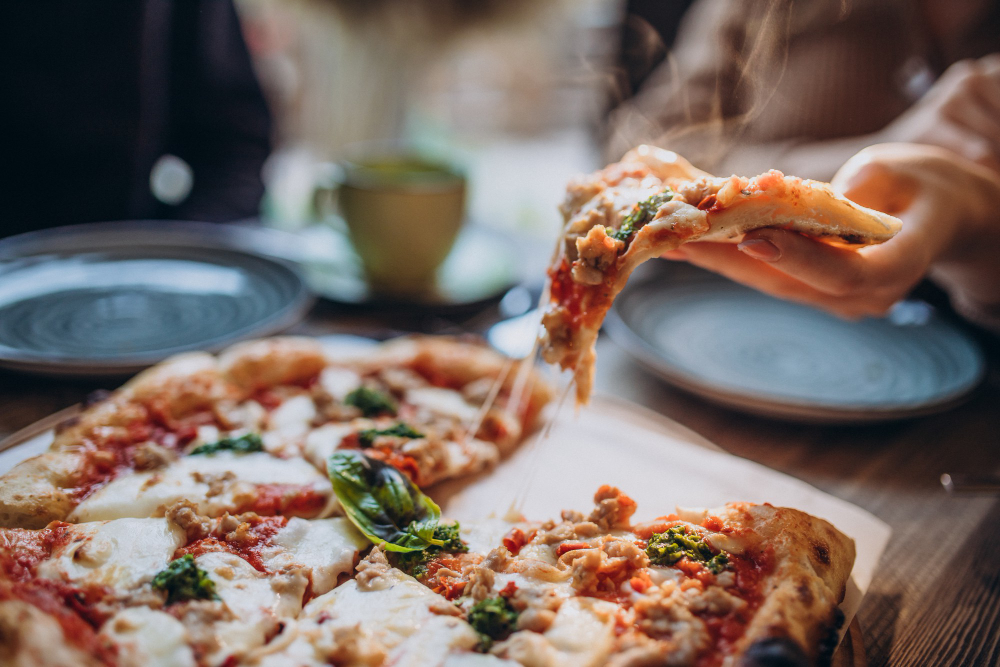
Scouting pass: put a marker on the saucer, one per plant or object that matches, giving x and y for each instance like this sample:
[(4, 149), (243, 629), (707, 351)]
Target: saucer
[(481, 267)]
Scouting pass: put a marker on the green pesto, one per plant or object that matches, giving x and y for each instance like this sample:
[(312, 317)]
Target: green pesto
[(669, 547), (494, 619), (414, 563), (244, 444), (641, 214), (371, 402), (183, 580), (367, 437)]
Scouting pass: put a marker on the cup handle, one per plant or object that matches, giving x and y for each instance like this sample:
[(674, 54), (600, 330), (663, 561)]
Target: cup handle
[(329, 178)]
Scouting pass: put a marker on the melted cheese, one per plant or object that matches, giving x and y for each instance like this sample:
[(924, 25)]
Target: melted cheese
[(582, 635), (444, 402), (122, 554), (394, 609), (148, 638), (201, 479), (485, 535), (477, 660), (437, 638), (384, 618), (256, 602), (325, 547), (339, 382), (323, 441), (293, 418)]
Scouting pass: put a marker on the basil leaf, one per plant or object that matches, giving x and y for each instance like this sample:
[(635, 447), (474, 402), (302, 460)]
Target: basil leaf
[(244, 444), (641, 214), (383, 503), (366, 438), (370, 401)]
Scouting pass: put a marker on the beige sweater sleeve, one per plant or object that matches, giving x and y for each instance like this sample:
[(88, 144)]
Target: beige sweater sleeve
[(758, 84)]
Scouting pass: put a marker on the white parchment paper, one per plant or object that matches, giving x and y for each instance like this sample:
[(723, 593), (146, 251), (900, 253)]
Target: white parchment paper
[(661, 465)]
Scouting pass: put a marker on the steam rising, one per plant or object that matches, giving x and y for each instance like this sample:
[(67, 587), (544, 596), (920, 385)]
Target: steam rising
[(720, 77)]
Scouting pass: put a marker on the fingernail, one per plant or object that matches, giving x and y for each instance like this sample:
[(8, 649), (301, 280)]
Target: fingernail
[(761, 249)]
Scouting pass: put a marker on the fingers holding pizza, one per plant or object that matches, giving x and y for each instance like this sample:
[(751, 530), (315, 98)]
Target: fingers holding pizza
[(947, 205)]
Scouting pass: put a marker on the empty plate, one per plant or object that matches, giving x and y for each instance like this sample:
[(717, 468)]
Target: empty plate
[(738, 347), (113, 298)]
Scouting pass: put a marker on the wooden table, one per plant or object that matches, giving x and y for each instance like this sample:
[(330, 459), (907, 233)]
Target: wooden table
[(936, 597)]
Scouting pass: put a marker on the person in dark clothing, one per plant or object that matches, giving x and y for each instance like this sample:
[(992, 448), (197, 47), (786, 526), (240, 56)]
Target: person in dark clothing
[(96, 93)]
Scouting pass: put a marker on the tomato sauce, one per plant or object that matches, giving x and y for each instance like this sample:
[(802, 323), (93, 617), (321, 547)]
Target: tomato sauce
[(22, 550), (515, 539), (727, 629), (69, 606), (444, 583), (110, 451), (247, 547), (285, 499)]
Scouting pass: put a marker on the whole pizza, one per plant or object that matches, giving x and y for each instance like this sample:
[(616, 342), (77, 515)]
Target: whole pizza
[(266, 507)]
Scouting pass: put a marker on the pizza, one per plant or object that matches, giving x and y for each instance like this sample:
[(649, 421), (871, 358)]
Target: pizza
[(653, 201), (393, 583), (250, 430)]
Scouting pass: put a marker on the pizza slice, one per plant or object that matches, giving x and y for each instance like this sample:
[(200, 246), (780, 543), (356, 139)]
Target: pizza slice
[(180, 590), (654, 201), (742, 584), (251, 429)]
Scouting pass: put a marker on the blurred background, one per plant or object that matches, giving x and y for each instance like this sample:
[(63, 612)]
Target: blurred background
[(400, 163)]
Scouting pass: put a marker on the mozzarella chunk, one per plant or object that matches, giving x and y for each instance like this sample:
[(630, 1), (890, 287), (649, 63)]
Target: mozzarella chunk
[(444, 402), (293, 418), (217, 483), (438, 637), (473, 455), (390, 618), (339, 382), (122, 554), (485, 535), (394, 608), (148, 638), (323, 441), (256, 602), (581, 635), (325, 547), (477, 660)]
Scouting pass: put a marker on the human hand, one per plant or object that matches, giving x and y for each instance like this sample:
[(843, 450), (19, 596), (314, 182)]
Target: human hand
[(949, 208), (961, 112)]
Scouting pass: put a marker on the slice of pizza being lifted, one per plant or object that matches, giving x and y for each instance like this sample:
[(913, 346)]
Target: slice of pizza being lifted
[(654, 201)]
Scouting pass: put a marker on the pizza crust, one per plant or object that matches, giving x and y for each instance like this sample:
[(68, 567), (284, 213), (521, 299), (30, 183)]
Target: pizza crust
[(32, 495), (813, 562)]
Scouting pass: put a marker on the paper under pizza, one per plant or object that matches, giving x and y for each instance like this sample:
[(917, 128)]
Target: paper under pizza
[(395, 584), (653, 201)]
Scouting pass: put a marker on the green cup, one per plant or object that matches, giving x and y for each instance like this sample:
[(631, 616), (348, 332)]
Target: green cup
[(403, 213)]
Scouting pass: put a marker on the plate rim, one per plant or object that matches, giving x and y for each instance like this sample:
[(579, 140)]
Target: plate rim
[(162, 234), (804, 411)]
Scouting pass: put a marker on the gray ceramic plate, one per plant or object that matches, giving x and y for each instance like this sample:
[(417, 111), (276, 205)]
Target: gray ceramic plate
[(743, 349), (113, 298)]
